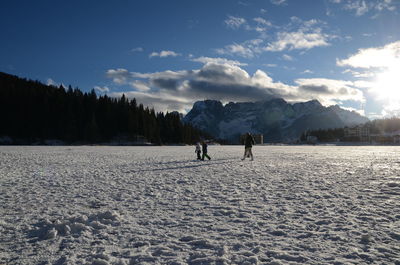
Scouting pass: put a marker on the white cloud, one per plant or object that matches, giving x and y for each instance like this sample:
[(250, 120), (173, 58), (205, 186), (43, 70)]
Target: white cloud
[(362, 7), (243, 3), (218, 60), (308, 24), (385, 4), (262, 21), (330, 90), (364, 84), (279, 2), (102, 89), (247, 49), (164, 54), (257, 24), (365, 74), (51, 82), (137, 49), (140, 86), (368, 34), (307, 71), (390, 110), (359, 111), (119, 76), (287, 57), (237, 49), (164, 74), (216, 79), (380, 57), (300, 35), (297, 40), (235, 22), (348, 38)]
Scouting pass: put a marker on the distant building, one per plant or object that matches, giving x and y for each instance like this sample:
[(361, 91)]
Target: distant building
[(258, 138), (358, 133), (386, 138), (362, 133)]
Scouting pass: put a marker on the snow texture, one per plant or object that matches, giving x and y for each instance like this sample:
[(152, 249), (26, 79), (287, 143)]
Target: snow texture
[(158, 205)]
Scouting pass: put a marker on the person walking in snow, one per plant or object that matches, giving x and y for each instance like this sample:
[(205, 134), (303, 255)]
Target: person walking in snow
[(204, 149), (248, 144), (198, 151)]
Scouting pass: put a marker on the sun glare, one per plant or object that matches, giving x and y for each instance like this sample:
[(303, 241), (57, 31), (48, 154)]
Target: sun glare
[(387, 84)]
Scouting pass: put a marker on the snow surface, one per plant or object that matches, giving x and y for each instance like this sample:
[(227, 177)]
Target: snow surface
[(158, 205)]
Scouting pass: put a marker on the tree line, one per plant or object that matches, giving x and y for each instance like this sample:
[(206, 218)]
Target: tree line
[(33, 112), (377, 126)]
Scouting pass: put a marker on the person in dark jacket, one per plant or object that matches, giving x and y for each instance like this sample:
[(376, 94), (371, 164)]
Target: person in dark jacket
[(204, 150), (248, 144)]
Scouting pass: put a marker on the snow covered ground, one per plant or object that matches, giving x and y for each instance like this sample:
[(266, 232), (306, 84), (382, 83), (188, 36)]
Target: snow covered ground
[(157, 205)]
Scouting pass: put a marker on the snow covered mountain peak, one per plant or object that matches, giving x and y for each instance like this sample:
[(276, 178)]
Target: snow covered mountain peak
[(276, 119), (200, 105), (313, 102)]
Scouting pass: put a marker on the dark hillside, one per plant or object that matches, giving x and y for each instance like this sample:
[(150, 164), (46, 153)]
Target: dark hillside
[(32, 112)]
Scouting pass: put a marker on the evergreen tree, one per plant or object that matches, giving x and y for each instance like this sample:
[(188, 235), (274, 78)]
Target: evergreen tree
[(35, 112)]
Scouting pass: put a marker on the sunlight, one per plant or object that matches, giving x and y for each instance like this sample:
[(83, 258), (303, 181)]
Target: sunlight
[(387, 83)]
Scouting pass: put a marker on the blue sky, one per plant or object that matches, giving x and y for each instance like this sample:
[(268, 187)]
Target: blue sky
[(169, 54)]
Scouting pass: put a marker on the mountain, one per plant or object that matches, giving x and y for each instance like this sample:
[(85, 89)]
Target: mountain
[(276, 119)]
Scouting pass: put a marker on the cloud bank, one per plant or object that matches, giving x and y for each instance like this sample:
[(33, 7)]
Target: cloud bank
[(226, 81)]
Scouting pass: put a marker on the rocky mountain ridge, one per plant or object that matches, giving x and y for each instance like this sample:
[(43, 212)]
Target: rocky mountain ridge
[(276, 119)]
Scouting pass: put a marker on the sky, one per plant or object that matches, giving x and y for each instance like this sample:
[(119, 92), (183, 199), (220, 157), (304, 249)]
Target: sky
[(170, 53)]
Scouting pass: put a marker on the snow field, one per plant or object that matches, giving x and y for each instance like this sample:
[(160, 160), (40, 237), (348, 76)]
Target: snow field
[(158, 205)]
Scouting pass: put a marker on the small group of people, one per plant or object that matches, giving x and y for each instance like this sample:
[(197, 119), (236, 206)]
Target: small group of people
[(248, 144), (202, 148)]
